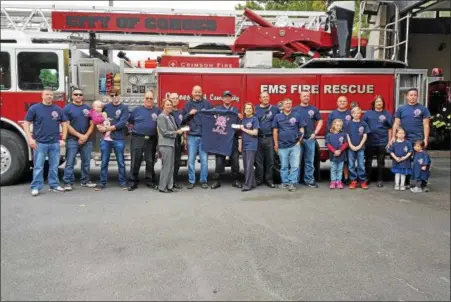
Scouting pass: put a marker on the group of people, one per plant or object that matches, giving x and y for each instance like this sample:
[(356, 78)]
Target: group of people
[(289, 131)]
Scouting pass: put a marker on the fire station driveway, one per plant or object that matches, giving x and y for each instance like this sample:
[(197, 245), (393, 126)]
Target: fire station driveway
[(225, 245)]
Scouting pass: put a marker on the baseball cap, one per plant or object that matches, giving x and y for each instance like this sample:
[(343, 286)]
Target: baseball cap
[(226, 93)]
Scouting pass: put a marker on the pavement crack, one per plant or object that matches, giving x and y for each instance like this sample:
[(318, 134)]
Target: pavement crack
[(410, 285)]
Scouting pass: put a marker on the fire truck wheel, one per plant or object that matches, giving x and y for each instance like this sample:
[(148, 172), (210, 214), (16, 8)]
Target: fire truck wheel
[(13, 157)]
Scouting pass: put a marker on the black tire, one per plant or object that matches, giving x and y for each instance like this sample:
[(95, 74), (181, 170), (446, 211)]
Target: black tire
[(14, 155)]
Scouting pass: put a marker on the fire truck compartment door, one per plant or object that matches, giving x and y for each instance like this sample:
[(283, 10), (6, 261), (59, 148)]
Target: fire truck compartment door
[(407, 79)]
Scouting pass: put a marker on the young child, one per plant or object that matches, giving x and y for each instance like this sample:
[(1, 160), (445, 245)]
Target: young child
[(421, 168), (100, 118), (357, 133), (400, 151), (336, 142)]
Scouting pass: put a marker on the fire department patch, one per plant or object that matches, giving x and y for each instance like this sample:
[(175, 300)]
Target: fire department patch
[(420, 161), (154, 116), (361, 130), (311, 113), (180, 117), (341, 140), (381, 118), (348, 117), (118, 113), (406, 149), (55, 115), (85, 112), (249, 125), (292, 120), (417, 113), (269, 113)]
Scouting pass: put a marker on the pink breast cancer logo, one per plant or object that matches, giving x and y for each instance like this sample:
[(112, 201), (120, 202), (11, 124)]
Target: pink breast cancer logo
[(154, 116), (292, 120), (341, 139), (55, 115), (361, 130), (311, 113), (249, 125), (348, 117), (221, 124), (417, 113), (381, 118)]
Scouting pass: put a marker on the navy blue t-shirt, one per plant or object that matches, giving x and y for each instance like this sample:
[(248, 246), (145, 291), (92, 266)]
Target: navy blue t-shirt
[(421, 159), (118, 116), (217, 133), (178, 117), (265, 116), (78, 117), (400, 149), (46, 122), (311, 115), (379, 122), (144, 120), (345, 116), (194, 122), (412, 117), (250, 142), (356, 130), (336, 140), (288, 126)]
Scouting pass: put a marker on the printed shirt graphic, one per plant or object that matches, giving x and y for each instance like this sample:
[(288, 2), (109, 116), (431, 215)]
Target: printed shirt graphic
[(379, 123), (421, 159), (400, 149), (118, 116), (411, 118), (46, 122), (356, 130), (265, 116), (288, 126), (79, 118), (336, 140), (217, 132), (144, 120), (250, 142), (310, 115)]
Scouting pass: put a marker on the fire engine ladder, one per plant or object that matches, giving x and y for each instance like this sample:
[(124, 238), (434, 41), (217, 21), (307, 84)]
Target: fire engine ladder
[(33, 23), (387, 48)]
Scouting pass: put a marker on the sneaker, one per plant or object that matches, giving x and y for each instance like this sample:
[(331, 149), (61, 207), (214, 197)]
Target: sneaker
[(34, 192), (397, 187), (353, 184), (402, 188), (339, 185), (57, 189), (283, 186), (190, 186), (364, 185), (89, 184), (291, 188), (425, 189), (313, 185), (332, 185), (204, 185), (416, 190), (67, 187)]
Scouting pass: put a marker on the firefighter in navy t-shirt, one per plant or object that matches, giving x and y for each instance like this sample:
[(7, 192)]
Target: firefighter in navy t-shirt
[(235, 157), (144, 141), (45, 141)]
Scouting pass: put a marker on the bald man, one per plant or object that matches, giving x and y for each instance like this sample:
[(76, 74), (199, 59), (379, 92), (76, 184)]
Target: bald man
[(179, 144), (193, 120)]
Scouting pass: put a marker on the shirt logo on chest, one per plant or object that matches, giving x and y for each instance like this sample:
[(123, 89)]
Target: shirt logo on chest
[(55, 115), (249, 125), (348, 117), (341, 139), (420, 161), (221, 124), (269, 114), (406, 149), (118, 113), (381, 118), (361, 130), (311, 113), (85, 112), (416, 113), (180, 117), (292, 121), (154, 116)]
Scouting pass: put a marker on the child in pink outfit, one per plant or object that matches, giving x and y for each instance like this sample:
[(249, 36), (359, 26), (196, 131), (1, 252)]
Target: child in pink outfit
[(100, 118)]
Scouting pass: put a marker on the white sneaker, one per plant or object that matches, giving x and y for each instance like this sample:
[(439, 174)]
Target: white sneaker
[(402, 188), (397, 187), (34, 192), (416, 190), (67, 188), (57, 189), (89, 184)]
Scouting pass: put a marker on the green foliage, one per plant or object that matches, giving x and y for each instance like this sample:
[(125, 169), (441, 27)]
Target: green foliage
[(49, 77), (278, 63)]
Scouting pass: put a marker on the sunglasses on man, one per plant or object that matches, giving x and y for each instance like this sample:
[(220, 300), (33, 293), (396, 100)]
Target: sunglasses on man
[(78, 94)]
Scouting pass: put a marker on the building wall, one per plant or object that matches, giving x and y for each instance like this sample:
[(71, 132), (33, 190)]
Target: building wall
[(423, 52)]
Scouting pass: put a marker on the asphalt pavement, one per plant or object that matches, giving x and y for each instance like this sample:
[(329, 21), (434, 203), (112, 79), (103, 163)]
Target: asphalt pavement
[(267, 244)]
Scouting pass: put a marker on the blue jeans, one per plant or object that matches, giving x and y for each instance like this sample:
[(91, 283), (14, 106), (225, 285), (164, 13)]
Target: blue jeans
[(290, 157), (336, 170), (52, 151), (194, 148), (308, 151), (72, 148), (118, 146), (357, 172)]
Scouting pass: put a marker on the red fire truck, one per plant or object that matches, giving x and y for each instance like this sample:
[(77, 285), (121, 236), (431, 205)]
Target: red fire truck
[(45, 51)]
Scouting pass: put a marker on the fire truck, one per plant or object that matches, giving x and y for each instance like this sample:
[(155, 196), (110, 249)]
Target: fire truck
[(229, 50)]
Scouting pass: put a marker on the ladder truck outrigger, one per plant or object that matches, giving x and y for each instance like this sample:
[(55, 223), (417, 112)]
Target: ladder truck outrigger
[(42, 47)]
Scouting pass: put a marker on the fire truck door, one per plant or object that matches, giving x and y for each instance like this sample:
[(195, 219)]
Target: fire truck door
[(7, 82), (410, 78)]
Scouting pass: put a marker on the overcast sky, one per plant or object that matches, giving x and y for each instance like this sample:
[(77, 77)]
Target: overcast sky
[(138, 55)]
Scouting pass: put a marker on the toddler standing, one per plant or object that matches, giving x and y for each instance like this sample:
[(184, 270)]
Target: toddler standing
[(337, 143), (421, 168), (400, 151)]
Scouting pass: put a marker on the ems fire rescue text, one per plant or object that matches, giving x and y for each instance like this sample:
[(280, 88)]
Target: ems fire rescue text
[(327, 89)]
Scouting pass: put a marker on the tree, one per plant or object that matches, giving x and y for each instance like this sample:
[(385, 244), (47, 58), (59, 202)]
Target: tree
[(49, 77)]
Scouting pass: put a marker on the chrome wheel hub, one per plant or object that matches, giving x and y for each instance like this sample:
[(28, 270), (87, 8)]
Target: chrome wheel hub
[(6, 159)]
